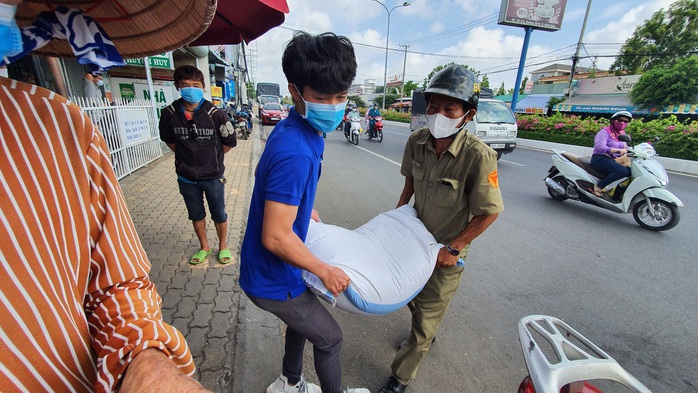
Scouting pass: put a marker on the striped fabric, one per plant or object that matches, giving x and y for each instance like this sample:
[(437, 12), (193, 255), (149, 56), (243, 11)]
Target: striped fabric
[(76, 303)]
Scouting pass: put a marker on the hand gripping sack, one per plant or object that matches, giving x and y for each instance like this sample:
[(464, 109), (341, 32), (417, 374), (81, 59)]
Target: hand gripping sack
[(389, 260)]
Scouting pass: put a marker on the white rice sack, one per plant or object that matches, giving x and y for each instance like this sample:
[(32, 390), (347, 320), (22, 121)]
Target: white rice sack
[(388, 259)]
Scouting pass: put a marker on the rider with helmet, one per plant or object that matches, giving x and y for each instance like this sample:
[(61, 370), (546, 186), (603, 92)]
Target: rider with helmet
[(372, 114), (453, 177), (608, 149)]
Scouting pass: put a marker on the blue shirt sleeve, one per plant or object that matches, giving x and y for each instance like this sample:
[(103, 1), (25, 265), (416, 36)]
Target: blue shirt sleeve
[(287, 178)]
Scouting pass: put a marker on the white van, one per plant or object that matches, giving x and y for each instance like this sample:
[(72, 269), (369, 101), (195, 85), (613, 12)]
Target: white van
[(494, 122), (495, 125)]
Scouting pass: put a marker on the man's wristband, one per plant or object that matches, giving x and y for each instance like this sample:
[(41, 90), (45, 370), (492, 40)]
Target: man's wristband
[(452, 251)]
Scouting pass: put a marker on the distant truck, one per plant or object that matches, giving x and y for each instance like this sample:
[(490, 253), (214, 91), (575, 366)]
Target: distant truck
[(268, 89), (267, 92), (494, 122)]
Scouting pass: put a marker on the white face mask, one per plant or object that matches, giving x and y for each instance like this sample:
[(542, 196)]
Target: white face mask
[(441, 126)]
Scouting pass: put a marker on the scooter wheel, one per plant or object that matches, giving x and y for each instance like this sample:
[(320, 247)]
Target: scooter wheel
[(663, 215), (379, 135), (562, 182)]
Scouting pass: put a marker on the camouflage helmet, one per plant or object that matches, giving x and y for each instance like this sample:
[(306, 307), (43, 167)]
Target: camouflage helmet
[(455, 81)]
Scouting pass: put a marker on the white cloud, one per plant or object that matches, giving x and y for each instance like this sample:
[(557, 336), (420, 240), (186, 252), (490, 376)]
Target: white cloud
[(472, 40), (436, 27)]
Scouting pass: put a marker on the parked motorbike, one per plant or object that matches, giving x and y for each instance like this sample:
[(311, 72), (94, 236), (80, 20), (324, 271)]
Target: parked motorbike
[(242, 122), (377, 131), (644, 192), (354, 131), (560, 360)]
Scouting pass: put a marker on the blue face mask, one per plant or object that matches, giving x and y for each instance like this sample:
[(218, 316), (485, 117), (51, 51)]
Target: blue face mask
[(11, 44), (192, 95), (323, 117), (100, 82)]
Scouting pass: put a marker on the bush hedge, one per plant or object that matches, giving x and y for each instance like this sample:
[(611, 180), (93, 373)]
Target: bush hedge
[(390, 115), (676, 139)]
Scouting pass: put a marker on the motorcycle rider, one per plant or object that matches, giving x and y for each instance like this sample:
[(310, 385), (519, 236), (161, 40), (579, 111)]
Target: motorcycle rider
[(346, 121), (607, 149), (372, 114)]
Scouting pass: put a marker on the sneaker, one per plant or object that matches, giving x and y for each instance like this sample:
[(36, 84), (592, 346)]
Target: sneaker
[(281, 386), (356, 390)]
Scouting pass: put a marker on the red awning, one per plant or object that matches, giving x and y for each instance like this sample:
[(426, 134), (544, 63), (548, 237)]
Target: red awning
[(238, 20)]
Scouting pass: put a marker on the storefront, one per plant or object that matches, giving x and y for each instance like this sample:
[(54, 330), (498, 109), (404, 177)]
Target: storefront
[(598, 103), (535, 104)]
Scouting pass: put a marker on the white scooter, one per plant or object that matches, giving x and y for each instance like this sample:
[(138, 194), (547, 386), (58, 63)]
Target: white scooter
[(644, 192), (354, 131), (560, 360)]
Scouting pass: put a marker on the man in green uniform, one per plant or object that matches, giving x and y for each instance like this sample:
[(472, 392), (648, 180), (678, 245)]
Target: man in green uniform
[(453, 177)]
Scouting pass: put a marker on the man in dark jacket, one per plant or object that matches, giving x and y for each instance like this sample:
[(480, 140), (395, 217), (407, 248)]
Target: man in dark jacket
[(199, 134)]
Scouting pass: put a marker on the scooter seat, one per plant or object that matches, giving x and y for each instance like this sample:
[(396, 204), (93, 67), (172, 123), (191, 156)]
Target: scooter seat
[(583, 162)]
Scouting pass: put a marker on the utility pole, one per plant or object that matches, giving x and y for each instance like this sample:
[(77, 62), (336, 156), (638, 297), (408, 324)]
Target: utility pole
[(575, 59), (404, 64)]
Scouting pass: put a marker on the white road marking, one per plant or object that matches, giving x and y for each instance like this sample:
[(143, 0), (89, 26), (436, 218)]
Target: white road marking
[(511, 162), (379, 156)]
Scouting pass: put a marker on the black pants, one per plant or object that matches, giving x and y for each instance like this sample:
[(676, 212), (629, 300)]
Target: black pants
[(610, 167), (307, 319)]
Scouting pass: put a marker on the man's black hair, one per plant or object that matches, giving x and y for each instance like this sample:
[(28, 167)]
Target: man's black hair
[(325, 62), (188, 72)]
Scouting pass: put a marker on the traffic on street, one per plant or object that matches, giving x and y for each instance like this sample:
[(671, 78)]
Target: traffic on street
[(629, 290)]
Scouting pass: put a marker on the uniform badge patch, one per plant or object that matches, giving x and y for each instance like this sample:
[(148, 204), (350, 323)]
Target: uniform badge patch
[(493, 179)]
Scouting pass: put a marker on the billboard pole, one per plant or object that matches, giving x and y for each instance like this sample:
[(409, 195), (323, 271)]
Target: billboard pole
[(522, 63)]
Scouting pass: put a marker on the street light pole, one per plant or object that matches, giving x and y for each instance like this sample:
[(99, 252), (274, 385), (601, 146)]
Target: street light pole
[(404, 65), (387, 40)]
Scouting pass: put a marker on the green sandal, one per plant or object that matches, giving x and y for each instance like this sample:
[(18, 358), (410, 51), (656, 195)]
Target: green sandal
[(199, 257), (224, 256)]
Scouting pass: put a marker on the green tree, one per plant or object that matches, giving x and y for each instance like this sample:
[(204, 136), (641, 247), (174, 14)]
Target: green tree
[(662, 86), (440, 67), (668, 36), (523, 85), (358, 101), (501, 91), (485, 81), (379, 90), (410, 86), (552, 102), (251, 93), (389, 99)]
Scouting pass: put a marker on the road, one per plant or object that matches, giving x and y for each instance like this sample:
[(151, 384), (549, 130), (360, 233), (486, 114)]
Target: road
[(630, 290)]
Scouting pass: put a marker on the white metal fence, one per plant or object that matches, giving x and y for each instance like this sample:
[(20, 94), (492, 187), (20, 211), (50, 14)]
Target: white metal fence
[(130, 128)]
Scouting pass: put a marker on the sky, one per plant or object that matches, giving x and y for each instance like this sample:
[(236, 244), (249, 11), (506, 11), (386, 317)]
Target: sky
[(443, 31)]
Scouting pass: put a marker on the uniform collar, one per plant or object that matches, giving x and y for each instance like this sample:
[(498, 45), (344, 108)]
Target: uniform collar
[(454, 148)]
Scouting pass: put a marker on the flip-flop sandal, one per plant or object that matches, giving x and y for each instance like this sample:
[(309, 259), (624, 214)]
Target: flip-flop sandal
[(199, 257), (224, 256), (596, 192)]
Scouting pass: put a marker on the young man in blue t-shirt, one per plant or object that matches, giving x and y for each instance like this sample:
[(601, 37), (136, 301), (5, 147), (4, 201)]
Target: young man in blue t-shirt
[(319, 70)]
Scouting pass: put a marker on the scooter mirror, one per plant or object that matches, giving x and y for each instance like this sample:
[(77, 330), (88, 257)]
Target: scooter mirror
[(625, 138)]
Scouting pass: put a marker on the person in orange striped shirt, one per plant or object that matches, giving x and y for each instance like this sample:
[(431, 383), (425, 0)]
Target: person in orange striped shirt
[(77, 310)]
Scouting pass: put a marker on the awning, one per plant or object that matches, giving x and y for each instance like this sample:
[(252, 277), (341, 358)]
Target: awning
[(238, 20), (598, 103), (138, 28), (535, 103), (215, 59)]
